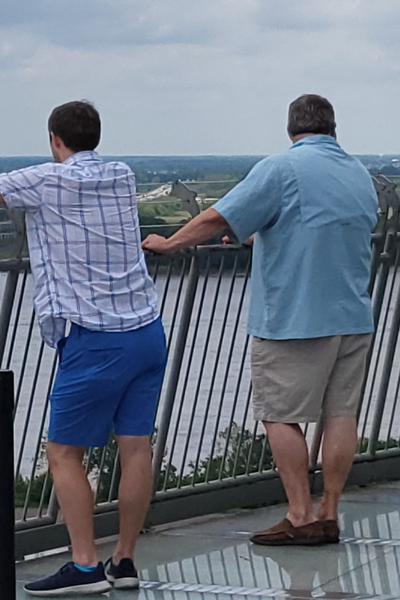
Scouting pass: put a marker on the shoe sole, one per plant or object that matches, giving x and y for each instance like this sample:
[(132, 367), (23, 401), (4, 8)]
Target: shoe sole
[(99, 587), (124, 583), (295, 542)]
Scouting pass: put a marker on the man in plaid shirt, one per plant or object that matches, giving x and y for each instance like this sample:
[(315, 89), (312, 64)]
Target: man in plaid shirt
[(89, 269)]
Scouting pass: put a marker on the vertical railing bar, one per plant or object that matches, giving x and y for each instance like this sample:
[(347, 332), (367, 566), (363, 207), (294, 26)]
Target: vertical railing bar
[(88, 459), (375, 259), (367, 378), (175, 369), (226, 376), (17, 316), (24, 361), (263, 451), (382, 281), (35, 461), (248, 462), (177, 304), (174, 316), (51, 380), (386, 372), (234, 405), (188, 369), (53, 507), (6, 309), (229, 359), (201, 370), (240, 374), (101, 473), (156, 268), (43, 495), (30, 406), (212, 382), (116, 470), (166, 288), (245, 415)]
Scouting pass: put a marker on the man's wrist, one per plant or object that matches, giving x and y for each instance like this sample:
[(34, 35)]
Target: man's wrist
[(171, 245)]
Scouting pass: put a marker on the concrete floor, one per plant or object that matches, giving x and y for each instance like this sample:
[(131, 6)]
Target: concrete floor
[(212, 559)]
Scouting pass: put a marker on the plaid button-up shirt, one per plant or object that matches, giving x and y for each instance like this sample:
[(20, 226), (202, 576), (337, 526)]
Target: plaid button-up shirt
[(84, 242)]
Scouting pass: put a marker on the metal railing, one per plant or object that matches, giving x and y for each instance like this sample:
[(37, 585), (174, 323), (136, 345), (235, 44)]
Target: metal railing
[(208, 453)]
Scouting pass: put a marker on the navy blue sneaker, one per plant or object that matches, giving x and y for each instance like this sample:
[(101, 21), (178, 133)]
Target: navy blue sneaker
[(70, 580), (124, 576)]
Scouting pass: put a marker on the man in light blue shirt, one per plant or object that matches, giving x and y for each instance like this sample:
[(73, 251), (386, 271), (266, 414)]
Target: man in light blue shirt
[(311, 210)]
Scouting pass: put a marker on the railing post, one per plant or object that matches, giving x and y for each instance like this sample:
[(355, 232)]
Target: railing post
[(175, 370), (6, 309), (7, 516)]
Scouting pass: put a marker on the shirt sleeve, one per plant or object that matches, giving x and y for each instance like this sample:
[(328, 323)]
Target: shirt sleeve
[(23, 189), (255, 202)]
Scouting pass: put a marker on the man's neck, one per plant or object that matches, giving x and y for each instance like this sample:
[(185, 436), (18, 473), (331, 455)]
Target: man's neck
[(66, 154), (301, 136)]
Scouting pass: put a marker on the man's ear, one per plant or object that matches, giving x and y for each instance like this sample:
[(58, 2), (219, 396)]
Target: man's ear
[(55, 140)]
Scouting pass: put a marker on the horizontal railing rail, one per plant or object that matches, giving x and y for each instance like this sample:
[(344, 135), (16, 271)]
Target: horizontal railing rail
[(208, 453)]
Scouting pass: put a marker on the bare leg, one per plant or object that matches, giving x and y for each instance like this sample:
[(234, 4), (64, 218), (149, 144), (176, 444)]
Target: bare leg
[(338, 449), (135, 492), (291, 456), (76, 499)]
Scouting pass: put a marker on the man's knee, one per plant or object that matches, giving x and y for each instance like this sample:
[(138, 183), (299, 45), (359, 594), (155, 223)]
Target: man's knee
[(131, 446), (58, 454)]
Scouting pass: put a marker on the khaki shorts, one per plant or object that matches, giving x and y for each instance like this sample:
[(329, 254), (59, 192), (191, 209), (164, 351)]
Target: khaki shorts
[(297, 381)]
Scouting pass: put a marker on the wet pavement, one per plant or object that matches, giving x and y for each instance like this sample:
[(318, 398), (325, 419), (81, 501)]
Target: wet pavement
[(211, 558)]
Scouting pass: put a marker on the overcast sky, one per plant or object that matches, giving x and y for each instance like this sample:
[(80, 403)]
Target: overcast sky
[(199, 76)]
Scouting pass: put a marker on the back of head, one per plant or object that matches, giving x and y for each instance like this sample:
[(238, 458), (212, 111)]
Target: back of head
[(77, 124), (311, 114)]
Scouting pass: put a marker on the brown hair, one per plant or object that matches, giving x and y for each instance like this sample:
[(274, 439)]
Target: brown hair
[(77, 124), (311, 114)]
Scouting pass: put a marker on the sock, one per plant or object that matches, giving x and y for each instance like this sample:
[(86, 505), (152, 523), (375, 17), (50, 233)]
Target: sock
[(85, 569)]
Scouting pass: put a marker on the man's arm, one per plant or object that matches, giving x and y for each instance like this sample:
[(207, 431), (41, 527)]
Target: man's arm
[(22, 189), (201, 228)]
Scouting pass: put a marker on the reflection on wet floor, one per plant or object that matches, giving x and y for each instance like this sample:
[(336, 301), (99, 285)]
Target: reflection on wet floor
[(212, 557)]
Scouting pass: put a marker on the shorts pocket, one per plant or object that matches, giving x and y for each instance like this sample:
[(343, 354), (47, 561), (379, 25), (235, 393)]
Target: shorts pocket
[(60, 350)]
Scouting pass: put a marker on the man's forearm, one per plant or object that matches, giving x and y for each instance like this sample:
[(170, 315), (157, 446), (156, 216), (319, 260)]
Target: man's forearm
[(200, 229)]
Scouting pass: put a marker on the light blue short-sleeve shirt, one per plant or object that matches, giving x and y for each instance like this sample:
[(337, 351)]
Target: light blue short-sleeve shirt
[(312, 210)]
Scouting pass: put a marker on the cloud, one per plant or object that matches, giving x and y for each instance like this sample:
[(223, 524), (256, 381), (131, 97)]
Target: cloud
[(97, 23), (211, 76)]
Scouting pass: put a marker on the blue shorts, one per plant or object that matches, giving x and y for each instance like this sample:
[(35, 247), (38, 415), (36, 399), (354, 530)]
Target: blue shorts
[(107, 380)]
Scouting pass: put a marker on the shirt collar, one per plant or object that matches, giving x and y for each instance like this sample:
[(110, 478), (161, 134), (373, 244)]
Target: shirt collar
[(316, 139), (85, 156)]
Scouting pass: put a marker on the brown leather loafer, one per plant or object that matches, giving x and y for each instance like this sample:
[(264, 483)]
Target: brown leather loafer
[(331, 531), (285, 534)]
